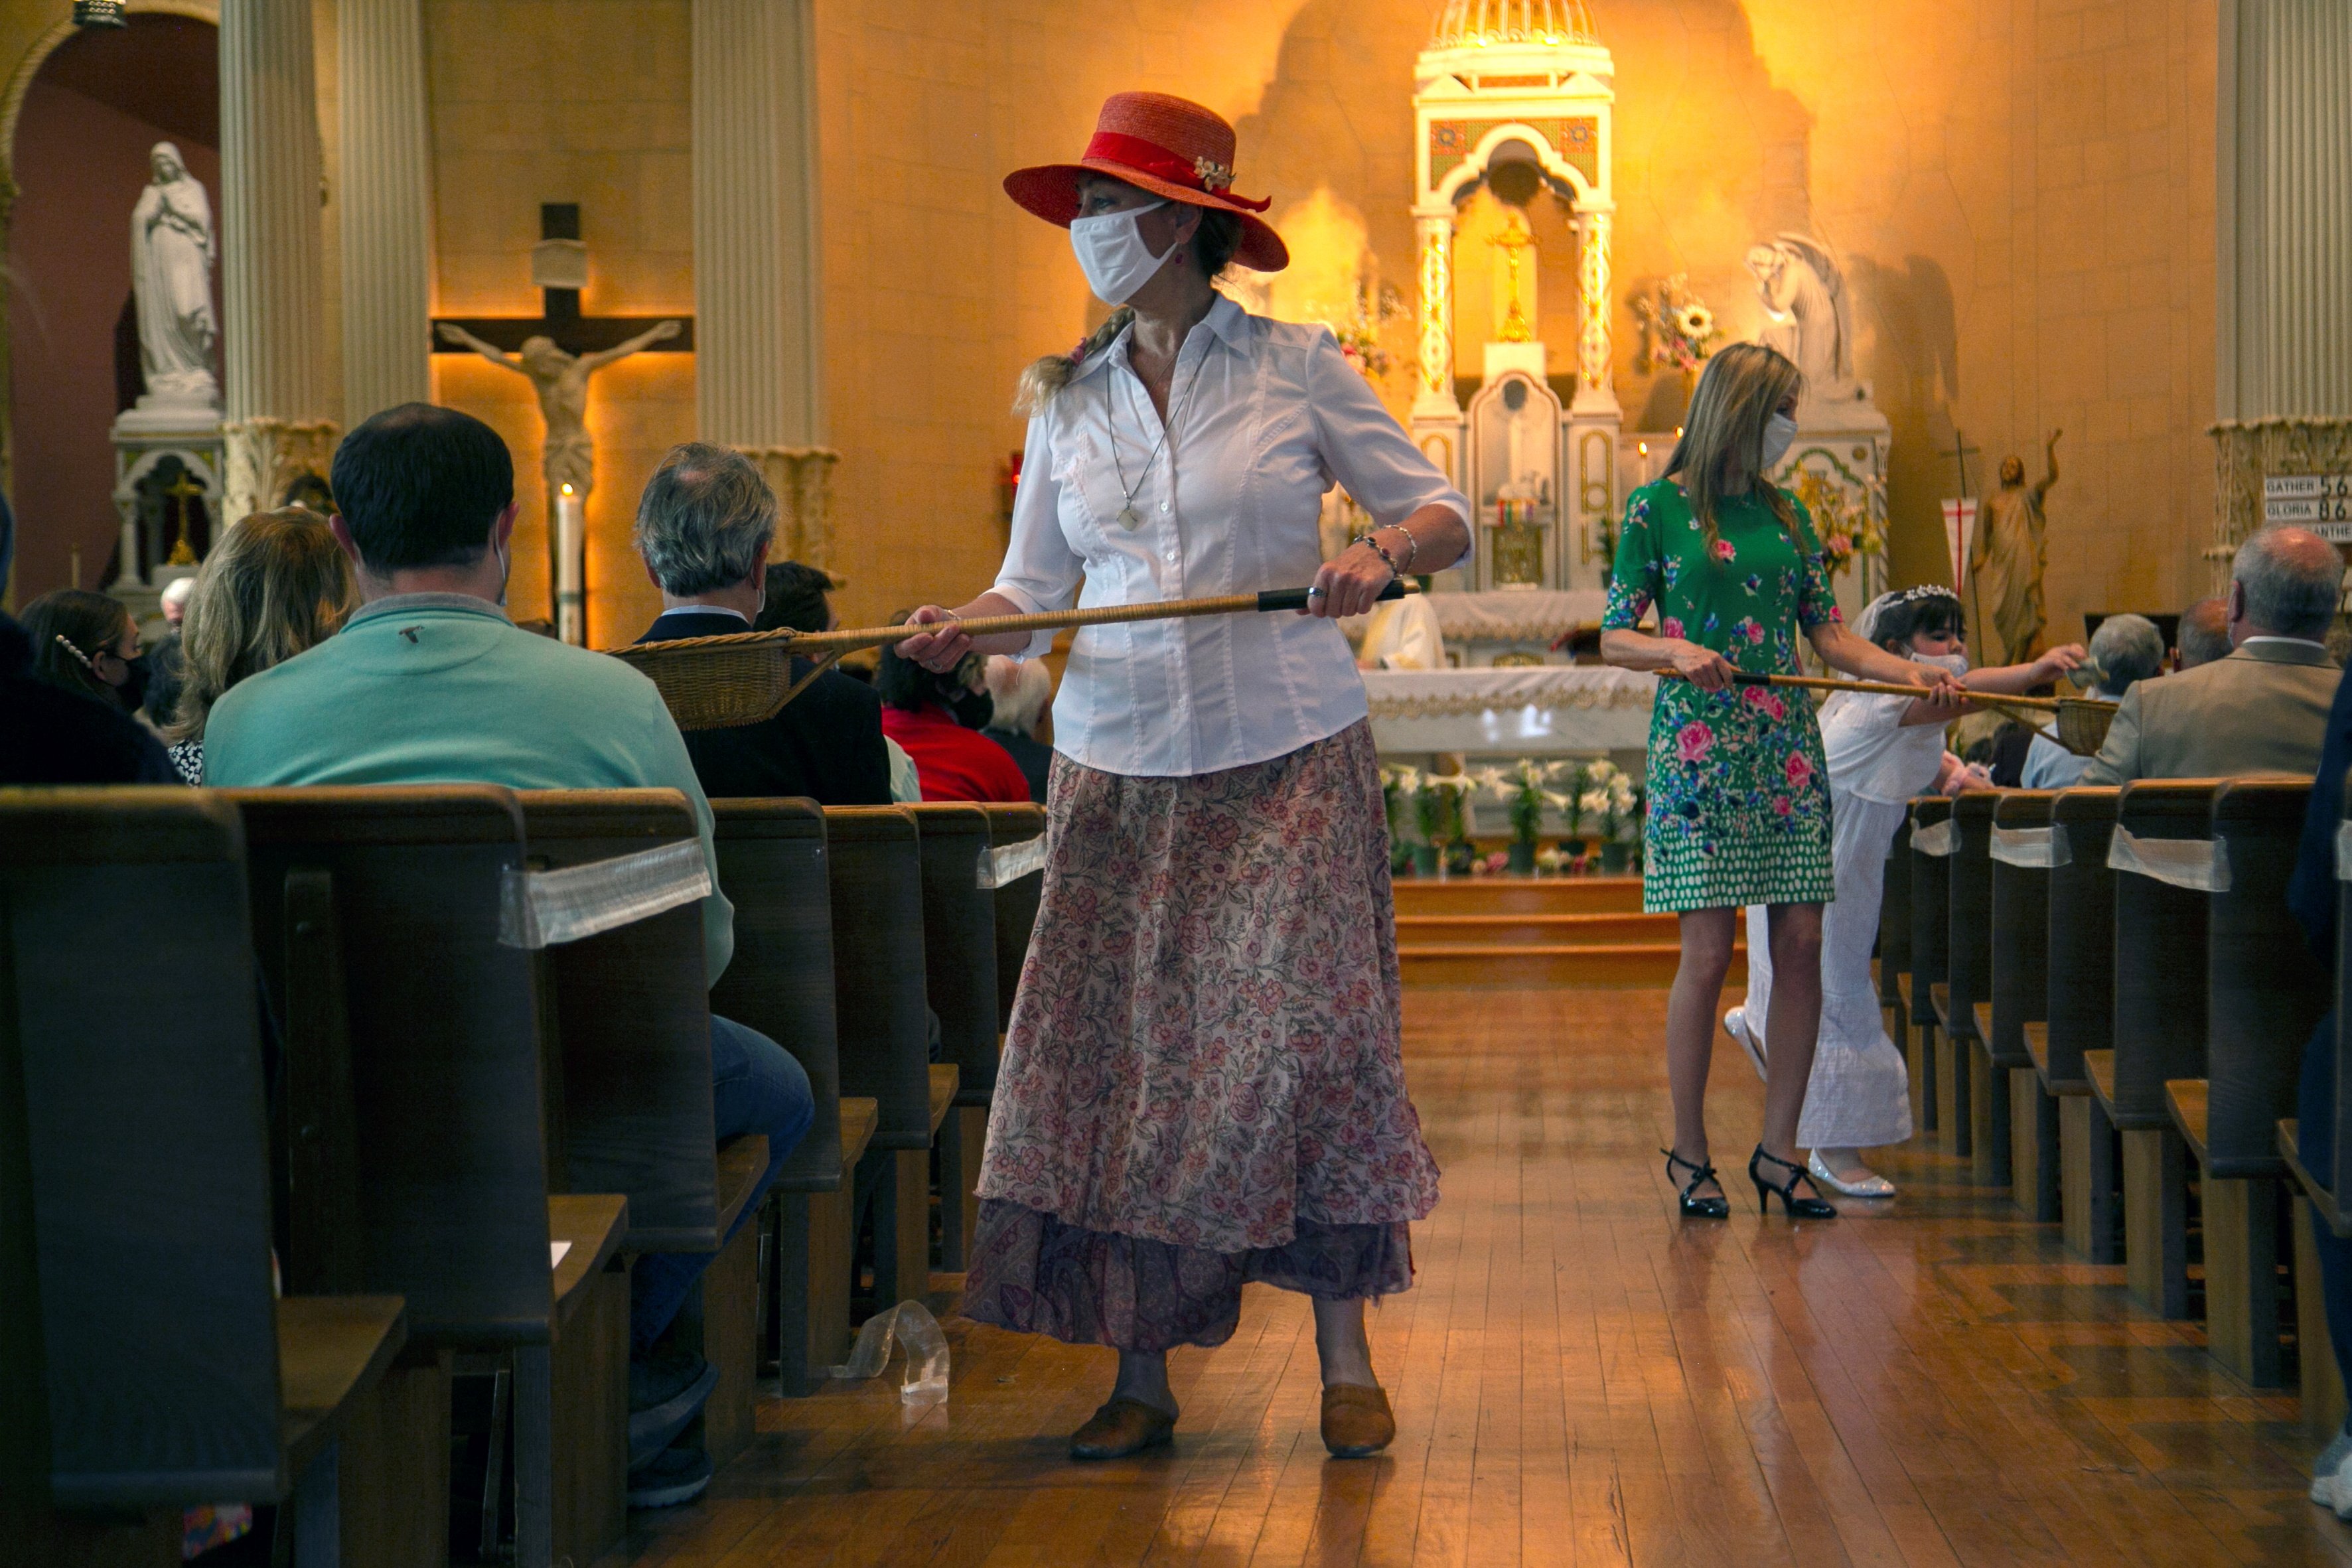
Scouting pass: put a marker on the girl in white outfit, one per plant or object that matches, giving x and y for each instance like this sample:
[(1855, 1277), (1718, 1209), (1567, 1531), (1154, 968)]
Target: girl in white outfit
[(1882, 751)]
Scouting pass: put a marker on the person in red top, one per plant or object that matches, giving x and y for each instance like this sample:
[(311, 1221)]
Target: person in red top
[(925, 713)]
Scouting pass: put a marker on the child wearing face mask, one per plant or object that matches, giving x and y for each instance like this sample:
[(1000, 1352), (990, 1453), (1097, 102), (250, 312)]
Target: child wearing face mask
[(87, 642), (1882, 751)]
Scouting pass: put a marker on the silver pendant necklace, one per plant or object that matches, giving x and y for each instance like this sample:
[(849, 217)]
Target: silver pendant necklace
[(1128, 518)]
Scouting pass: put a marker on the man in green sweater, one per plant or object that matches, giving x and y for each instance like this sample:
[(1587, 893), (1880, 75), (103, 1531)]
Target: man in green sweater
[(431, 684)]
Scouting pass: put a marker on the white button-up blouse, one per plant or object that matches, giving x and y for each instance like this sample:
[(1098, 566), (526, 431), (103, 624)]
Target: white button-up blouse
[(1265, 416)]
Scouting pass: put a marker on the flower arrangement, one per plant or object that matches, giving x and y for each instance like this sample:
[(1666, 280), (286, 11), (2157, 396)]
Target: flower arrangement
[(1607, 806), (1359, 335), (1676, 325), (1847, 529)]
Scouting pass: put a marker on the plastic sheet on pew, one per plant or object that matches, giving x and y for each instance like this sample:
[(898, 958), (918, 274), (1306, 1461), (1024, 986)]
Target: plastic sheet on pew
[(2201, 865), (1938, 839), (2034, 849), (911, 1324), (545, 908), (1004, 867)]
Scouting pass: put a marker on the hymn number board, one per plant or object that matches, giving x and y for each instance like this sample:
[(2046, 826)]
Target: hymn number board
[(2320, 502)]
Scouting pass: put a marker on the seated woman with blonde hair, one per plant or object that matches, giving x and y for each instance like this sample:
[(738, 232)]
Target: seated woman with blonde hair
[(275, 585)]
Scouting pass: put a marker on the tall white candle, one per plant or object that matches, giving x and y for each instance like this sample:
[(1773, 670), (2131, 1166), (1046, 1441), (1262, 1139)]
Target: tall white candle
[(571, 567)]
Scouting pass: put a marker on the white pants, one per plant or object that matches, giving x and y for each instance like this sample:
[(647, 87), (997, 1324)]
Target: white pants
[(1859, 1096)]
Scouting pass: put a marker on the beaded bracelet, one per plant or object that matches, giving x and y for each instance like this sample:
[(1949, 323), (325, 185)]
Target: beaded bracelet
[(1395, 571)]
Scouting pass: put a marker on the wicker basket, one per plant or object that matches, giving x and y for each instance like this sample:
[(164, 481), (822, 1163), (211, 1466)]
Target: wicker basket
[(718, 682), (2082, 725)]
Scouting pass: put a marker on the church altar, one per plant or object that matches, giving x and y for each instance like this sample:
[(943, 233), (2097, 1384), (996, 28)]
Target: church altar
[(1527, 619), (1531, 710)]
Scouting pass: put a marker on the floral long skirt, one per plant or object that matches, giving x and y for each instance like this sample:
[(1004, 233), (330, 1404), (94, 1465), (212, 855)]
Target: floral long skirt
[(1202, 1083)]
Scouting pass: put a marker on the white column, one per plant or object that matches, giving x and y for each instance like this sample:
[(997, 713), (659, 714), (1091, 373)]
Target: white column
[(387, 207), (2283, 322), (271, 287), (1433, 231), (1596, 385), (759, 365)]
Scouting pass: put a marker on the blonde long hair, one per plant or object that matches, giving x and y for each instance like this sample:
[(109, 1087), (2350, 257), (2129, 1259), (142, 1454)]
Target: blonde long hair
[(1720, 454), (275, 585)]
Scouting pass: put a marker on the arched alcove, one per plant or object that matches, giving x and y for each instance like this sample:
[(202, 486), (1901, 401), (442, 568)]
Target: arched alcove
[(79, 118)]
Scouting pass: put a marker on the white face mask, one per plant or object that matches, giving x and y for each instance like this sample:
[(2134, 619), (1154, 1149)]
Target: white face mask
[(1956, 663), (1780, 434), (1112, 254)]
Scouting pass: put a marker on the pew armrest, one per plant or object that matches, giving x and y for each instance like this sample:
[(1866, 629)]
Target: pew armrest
[(944, 1079), (1903, 992), (1980, 1020), (2185, 1098), (2323, 1202), (2099, 1067), (330, 1351), (1954, 1025), (594, 1223), (860, 1114), (740, 1162)]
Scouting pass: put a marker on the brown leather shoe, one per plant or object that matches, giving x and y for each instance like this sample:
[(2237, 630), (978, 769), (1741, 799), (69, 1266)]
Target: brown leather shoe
[(1357, 1422), (1121, 1427)]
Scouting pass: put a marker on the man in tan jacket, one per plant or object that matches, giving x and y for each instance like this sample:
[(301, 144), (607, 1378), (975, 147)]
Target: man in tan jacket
[(2262, 709)]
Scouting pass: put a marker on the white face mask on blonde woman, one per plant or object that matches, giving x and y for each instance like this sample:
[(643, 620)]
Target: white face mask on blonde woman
[(1112, 254)]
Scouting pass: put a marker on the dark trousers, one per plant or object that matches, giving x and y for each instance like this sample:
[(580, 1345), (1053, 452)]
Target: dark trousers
[(2316, 1141), (755, 1087)]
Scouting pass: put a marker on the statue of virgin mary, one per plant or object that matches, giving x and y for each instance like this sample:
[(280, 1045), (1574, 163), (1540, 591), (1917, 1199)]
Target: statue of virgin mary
[(170, 274)]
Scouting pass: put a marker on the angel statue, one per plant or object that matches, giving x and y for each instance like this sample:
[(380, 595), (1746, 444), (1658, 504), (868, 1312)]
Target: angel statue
[(172, 280), (567, 456), (1805, 312)]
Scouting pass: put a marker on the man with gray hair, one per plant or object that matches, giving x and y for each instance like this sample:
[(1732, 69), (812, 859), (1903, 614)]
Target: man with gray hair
[(2204, 635), (2262, 709), (2125, 650), (705, 525)]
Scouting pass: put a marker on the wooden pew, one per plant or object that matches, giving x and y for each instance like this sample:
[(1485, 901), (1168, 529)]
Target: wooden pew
[(1016, 902), (2082, 1019), (631, 1027), (413, 1047), (2159, 1034), (960, 959), (2015, 1021), (2264, 995), (1962, 1006), (880, 970), (144, 1365), (1931, 890), (1894, 964), (773, 864)]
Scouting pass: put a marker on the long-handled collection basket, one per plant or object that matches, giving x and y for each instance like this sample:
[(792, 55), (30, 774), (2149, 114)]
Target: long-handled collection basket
[(721, 683)]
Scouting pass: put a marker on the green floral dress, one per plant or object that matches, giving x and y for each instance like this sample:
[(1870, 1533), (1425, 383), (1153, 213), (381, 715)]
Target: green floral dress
[(1739, 790)]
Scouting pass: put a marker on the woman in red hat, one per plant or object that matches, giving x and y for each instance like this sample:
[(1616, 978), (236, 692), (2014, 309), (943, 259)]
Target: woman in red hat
[(1203, 1084)]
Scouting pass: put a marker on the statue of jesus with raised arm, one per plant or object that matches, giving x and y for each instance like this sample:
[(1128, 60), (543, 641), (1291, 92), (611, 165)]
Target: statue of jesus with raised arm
[(561, 379)]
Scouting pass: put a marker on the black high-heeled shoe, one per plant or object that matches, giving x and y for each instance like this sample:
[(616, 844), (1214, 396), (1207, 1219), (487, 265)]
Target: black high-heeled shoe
[(1716, 1208), (1797, 1207)]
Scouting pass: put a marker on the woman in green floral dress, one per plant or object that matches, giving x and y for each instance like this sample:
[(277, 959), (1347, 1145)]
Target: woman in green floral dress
[(1738, 809)]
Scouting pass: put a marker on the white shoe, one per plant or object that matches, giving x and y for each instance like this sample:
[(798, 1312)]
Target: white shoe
[(2331, 1485), (1869, 1184), (1735, 1024)]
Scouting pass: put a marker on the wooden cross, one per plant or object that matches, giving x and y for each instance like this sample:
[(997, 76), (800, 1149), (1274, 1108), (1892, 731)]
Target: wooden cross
[(559, 317), (1960, 451)]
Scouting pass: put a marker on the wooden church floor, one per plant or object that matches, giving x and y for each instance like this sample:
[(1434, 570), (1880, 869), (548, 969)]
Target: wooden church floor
[(1580, 1380)]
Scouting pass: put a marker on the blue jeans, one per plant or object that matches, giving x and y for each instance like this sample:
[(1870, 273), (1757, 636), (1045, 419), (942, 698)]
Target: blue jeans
[(2316, 1142), (755, 1087)]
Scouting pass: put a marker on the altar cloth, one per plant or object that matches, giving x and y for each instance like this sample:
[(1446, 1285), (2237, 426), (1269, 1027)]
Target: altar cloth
[(1523, 710), (1516, 615)]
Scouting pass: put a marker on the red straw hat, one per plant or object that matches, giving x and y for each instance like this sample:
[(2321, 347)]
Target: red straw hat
[(1171, 147)]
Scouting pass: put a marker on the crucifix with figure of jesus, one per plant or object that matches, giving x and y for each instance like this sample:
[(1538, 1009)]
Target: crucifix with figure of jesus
[(557, 351)]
